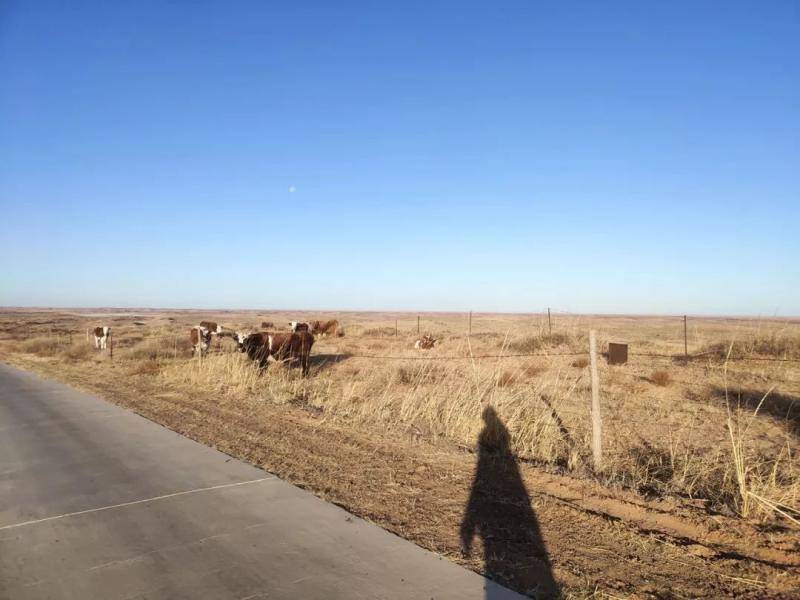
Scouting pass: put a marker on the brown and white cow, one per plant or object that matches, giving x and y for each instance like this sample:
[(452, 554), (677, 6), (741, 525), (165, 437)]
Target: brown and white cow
[(212, 327), (101, 335), (323, 328), (293, 347), (296, 326), (200, 337), (426, 342)]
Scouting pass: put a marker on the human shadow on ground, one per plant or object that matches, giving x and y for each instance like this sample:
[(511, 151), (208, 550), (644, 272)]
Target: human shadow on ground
[(499, 510)]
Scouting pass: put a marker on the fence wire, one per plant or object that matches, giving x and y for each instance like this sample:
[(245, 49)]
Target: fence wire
[(678, 358)]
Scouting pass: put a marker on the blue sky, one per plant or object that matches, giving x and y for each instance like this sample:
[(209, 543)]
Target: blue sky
[(592, 157)]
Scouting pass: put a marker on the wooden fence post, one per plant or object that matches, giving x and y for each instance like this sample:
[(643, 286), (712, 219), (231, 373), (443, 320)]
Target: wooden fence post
[(395, 328), (597, 424), (110, 346), (470, 323), (685, 342), (549, 322)]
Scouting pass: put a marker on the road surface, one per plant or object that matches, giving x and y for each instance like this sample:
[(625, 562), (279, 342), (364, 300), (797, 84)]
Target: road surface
[(98, 502)]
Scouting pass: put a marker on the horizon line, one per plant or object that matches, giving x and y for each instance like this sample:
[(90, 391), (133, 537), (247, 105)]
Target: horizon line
[(402, 311)]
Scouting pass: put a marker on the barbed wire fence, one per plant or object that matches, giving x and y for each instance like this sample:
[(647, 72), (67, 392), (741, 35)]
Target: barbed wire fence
[(708, 358)]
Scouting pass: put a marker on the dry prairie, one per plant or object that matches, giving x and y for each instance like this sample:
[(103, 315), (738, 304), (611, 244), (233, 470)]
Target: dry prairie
[(698, 492)]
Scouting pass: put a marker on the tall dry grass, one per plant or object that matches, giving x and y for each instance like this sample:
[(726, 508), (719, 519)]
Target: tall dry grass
[(776, 344), (657, 442), (545, 409), (161, 346)]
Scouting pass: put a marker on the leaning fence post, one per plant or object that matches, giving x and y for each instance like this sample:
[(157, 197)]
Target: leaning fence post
[(597, 425)]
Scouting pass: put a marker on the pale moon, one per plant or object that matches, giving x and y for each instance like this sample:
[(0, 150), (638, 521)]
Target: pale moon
[(292, 189)]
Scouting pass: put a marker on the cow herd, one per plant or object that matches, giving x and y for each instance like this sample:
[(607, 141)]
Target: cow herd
[(293, 347)]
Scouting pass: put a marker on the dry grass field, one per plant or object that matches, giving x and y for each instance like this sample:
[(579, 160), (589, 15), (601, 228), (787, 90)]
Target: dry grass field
[(699, 490)]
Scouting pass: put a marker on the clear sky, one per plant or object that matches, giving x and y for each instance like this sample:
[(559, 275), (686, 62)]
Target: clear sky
[(590, 156)]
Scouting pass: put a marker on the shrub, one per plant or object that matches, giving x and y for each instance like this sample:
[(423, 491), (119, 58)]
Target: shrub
[(79, 351), (377, 332), (507, 378), (532, 370), (154, 348), (778, 346), (580, 363), (147, 367), (422, 374), (44, 346), (660, 378), (534, 343)]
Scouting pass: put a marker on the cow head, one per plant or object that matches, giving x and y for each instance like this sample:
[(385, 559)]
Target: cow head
[(239, 337)]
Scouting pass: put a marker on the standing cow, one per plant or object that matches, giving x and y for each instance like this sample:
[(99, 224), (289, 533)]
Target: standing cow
[(323, 328), (293, 347), (212, 327), (101, 335), (296, 326), (200, 337)]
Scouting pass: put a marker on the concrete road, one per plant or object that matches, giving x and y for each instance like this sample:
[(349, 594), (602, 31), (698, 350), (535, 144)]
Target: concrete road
[(97, 502)]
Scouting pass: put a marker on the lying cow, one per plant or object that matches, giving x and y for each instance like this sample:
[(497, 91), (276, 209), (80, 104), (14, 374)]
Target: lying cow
[(200, 337), (101, 337), (323, 328), (267, 325), (296, 326), (292, 347), (426, 342)]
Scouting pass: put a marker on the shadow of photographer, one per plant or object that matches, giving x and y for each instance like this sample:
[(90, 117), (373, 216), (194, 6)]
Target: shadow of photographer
[(499, 510)]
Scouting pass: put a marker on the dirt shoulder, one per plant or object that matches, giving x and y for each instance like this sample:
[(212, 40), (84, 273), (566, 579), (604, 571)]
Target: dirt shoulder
[(594, 540)]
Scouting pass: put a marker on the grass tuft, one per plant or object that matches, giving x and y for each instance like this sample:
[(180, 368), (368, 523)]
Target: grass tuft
[(660, 378)]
